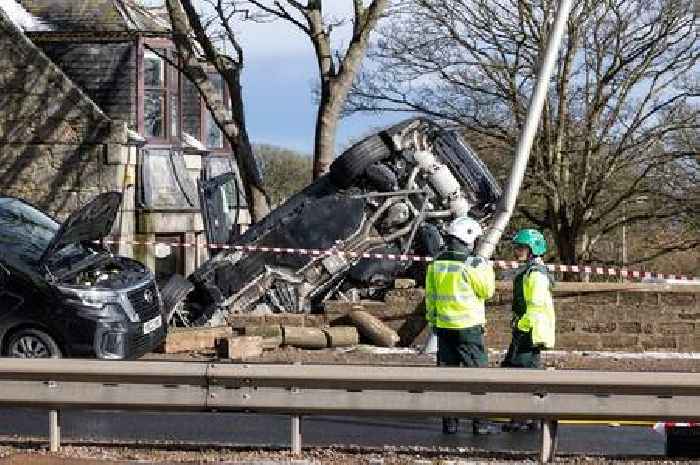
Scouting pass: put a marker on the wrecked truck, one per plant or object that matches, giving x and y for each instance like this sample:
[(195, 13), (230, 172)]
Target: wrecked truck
[(393, 192)]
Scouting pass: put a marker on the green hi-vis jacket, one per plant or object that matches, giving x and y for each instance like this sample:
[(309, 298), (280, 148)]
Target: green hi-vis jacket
[(533, 308), (456, 287)]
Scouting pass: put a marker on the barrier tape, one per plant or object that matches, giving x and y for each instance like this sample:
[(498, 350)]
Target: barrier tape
[(662, 427), (502, 264)]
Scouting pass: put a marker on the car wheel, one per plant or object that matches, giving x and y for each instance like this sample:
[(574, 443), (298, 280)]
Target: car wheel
[(174, 294), (352, 163), (32, 343)]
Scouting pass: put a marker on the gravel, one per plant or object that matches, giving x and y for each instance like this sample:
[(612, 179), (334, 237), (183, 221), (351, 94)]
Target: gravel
[(103, 455)]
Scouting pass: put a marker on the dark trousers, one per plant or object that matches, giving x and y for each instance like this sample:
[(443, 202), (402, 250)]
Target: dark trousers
[(461, 347), (522, 353)]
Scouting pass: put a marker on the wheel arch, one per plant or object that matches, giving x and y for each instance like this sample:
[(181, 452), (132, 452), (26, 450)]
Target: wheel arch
[(7, 334)]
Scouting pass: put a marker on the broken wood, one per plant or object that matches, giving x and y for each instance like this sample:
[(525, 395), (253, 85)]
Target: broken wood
[(193, 339), (342, 336), (239, 347), (264, 331), (374, 329), (305, 338), (404, 283)]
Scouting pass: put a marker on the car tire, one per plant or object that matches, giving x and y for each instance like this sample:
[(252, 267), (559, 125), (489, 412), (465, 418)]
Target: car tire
[(32, 343), (173, 293), (352, 163)]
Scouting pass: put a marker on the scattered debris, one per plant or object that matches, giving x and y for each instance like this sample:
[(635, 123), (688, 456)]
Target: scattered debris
[(264, 331), (374, 329), (194, 339), (239, 347), (404, 283), (304, 338), (342, 336)]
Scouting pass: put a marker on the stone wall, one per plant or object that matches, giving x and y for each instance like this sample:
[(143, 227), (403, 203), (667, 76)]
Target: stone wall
[(635, 320), (57, 148), (619, 321)]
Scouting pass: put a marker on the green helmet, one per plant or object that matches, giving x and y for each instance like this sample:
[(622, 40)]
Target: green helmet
[(533, 239)]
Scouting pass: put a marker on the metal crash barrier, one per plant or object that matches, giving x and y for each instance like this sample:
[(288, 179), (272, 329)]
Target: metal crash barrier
[(299, 390)]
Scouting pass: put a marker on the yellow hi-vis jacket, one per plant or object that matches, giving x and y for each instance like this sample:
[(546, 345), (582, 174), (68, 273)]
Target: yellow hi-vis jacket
[(536, 297), (456, 286)]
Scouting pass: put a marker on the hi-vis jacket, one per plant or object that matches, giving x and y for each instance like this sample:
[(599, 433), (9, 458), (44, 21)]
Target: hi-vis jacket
[(456, 286), (533, 308)]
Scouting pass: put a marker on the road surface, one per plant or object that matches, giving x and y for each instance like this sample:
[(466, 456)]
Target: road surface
[(251, 430)]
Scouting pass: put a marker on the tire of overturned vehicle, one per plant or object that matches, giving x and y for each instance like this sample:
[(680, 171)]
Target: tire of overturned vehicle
[(31, 343), (352, 163)]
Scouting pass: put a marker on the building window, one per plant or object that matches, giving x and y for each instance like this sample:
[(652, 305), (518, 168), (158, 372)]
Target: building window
[(161, 95), (154, 94), (214, 136)]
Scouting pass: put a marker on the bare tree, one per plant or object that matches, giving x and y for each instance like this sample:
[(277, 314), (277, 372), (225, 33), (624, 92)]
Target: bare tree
[(285, 171), (623, 90), (337, 69), (197, 52)]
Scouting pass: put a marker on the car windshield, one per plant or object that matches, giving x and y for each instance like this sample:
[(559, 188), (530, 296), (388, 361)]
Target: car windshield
[(25, 231)]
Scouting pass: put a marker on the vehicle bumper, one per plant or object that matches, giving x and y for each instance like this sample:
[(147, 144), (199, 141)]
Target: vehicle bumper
[(125, 340)]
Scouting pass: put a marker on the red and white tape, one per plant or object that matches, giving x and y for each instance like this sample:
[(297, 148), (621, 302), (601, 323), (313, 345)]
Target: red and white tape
[(503, 264), (662, 427)]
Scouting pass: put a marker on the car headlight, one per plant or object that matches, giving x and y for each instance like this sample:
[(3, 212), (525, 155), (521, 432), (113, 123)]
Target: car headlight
[(104, 305)]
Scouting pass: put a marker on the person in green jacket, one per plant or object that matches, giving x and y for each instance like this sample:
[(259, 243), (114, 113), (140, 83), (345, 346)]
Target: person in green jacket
[(533, 309), (456, 285)]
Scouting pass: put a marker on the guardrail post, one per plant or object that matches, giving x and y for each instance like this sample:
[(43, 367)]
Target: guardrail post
[(296, 434), (54, 430), (548, 445)]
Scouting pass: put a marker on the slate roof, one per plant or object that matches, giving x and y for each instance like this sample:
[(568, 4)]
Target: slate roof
[(81, 16)]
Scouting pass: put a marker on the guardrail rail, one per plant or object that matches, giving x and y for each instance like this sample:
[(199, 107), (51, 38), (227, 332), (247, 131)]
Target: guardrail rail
[(299, 390)]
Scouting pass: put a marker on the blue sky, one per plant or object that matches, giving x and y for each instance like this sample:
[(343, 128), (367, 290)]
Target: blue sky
[(278, 79)]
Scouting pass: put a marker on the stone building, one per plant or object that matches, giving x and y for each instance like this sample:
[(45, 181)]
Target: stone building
[(89, 103)]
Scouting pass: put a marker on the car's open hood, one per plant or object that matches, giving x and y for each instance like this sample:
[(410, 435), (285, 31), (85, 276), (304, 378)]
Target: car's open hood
[(91, 223)]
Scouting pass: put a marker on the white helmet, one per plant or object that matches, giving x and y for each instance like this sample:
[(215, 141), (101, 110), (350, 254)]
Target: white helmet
[(465, 229)]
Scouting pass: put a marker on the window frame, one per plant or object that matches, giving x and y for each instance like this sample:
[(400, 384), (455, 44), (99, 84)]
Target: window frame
[(171, 92)]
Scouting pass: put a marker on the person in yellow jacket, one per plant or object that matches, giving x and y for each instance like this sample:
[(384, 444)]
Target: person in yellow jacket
[(533, 309), (456, 285)]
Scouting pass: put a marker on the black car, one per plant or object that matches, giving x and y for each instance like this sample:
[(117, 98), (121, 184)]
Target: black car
[(391, 193), (64, 295)]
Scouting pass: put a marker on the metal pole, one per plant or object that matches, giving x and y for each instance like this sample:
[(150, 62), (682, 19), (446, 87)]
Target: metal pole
[(506, 206), (624, 237), (54, 430), (296, 434)]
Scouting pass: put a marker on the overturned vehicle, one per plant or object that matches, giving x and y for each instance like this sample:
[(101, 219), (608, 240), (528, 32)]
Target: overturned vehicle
[(391, 193)]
